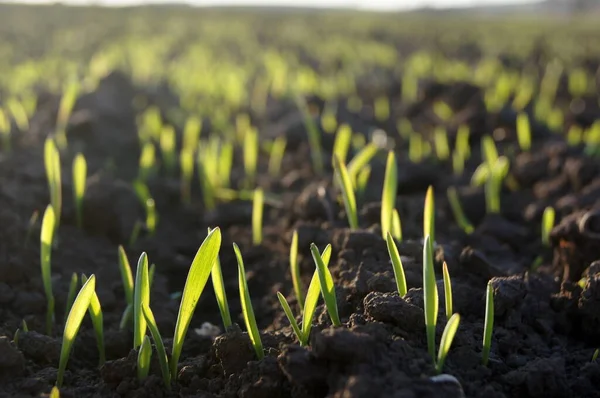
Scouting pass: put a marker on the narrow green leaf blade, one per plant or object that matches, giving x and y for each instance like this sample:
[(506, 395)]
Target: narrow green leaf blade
[(290, 317), (141, 296), (396, 265), (388, 196), (160, 347), (345, 183), (446, 342), (327, 287)]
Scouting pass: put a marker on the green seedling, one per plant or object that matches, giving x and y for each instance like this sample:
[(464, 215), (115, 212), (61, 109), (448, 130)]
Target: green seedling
[(430, 295), (457, 211), (381, 108), (191, 133), (547, 225), (489, 324), (258, 201), (71, 295), (16, 337), (147, 161), (18, 113), (524, 132), (493, 185), (167, 143), (328, 121), (396, 265), (247, 310), (396, 226), (429, 215), (143, 359), (250, 156), (595, 355), (327, 287), (95, 310), (442, 110), (127, 278), (141, 296), (415, 148), (458, 163), (46, 238), (404, 128), (160, 347), (53, 175), (276, 156), (220, 294), (79, 177), (442, 147), (447, 290), (388, 196), (488, 148), (80, 306), (310, 304), (341, 145), (446, 342), (362, 181), (226, 163), (24, 326), (194, 285), (208, 187), (67, 102), (143, 193), (575, 135), (361, 159), (345, 183), (462, 145), (54, 393), (314, 137), (295, 269), (186, 164)]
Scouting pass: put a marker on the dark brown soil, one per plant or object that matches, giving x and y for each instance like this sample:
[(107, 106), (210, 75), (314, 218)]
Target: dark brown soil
[(547, 325)]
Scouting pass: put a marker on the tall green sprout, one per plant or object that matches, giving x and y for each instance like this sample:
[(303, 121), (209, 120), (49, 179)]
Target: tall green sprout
[(547, 225), (489, 324), (46, 238), (447, 291), (388, 196), (247, 310), (95, 310), (250, 156), (446, 342), (79, 177), (127, 278), (147, 163), (220, 294), (457, 211), (194, 285), (160, 347), (327, 287), (295, 269), (523, 132), (442, 147), (80, 306), (276, 155), (341, 145), (396, 265), (53, 175), (430, 295), (361, 160), (141, 297), (345, 184), (429, 215), (258, 200)]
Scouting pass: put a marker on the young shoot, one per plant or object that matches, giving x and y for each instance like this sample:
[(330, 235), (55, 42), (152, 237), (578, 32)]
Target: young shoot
[(186, 164), (194, 285), (493, 184), (147, 161), (547, 225), (295, 270), (446, 342), (247, 310), (71, 295), (80, 306), (46, 238), (442, 147), (258, 200), (430, 295), (276, 155), (523, 132), (429, 215), (53, 175), (361, 160), (141, 296), (250, 156), (314, 137), (143, 359), (489, 324), (457, 211), (220, 294), (341, 145), (396, 265), (447, 291), (168, 144), (345, 183), (79, 177), (388, 196), (488, 148), (95, 310), (396, 226), (327, 287)]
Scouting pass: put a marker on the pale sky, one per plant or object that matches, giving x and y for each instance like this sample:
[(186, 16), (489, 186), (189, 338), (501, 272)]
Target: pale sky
[(364, 4)]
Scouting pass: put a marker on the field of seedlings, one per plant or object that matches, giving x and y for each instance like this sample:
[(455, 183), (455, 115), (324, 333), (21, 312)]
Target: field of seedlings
[(268, 204)]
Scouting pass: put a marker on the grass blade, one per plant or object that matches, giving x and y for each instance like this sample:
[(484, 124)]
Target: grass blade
[(430, 295), (314, 136), (79, 176), (396, 265), (547, 225), (247, 309), (361, 159), (194, 285), (80, 306), (396, 226), (457, 210), (388, 196), (341, 145), (488, 325), (446, 342), (290, 316), (429, 215), (258, 200), (327, 287), (219, 287), (345, 183), (295, 268), (447, 290), (46, 238), (276, 156), (53, 175), (141, 296), (71, 295), (95, 310), (160, 347), (126, 275), (490, 153), (312, 298), (523, 132)]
